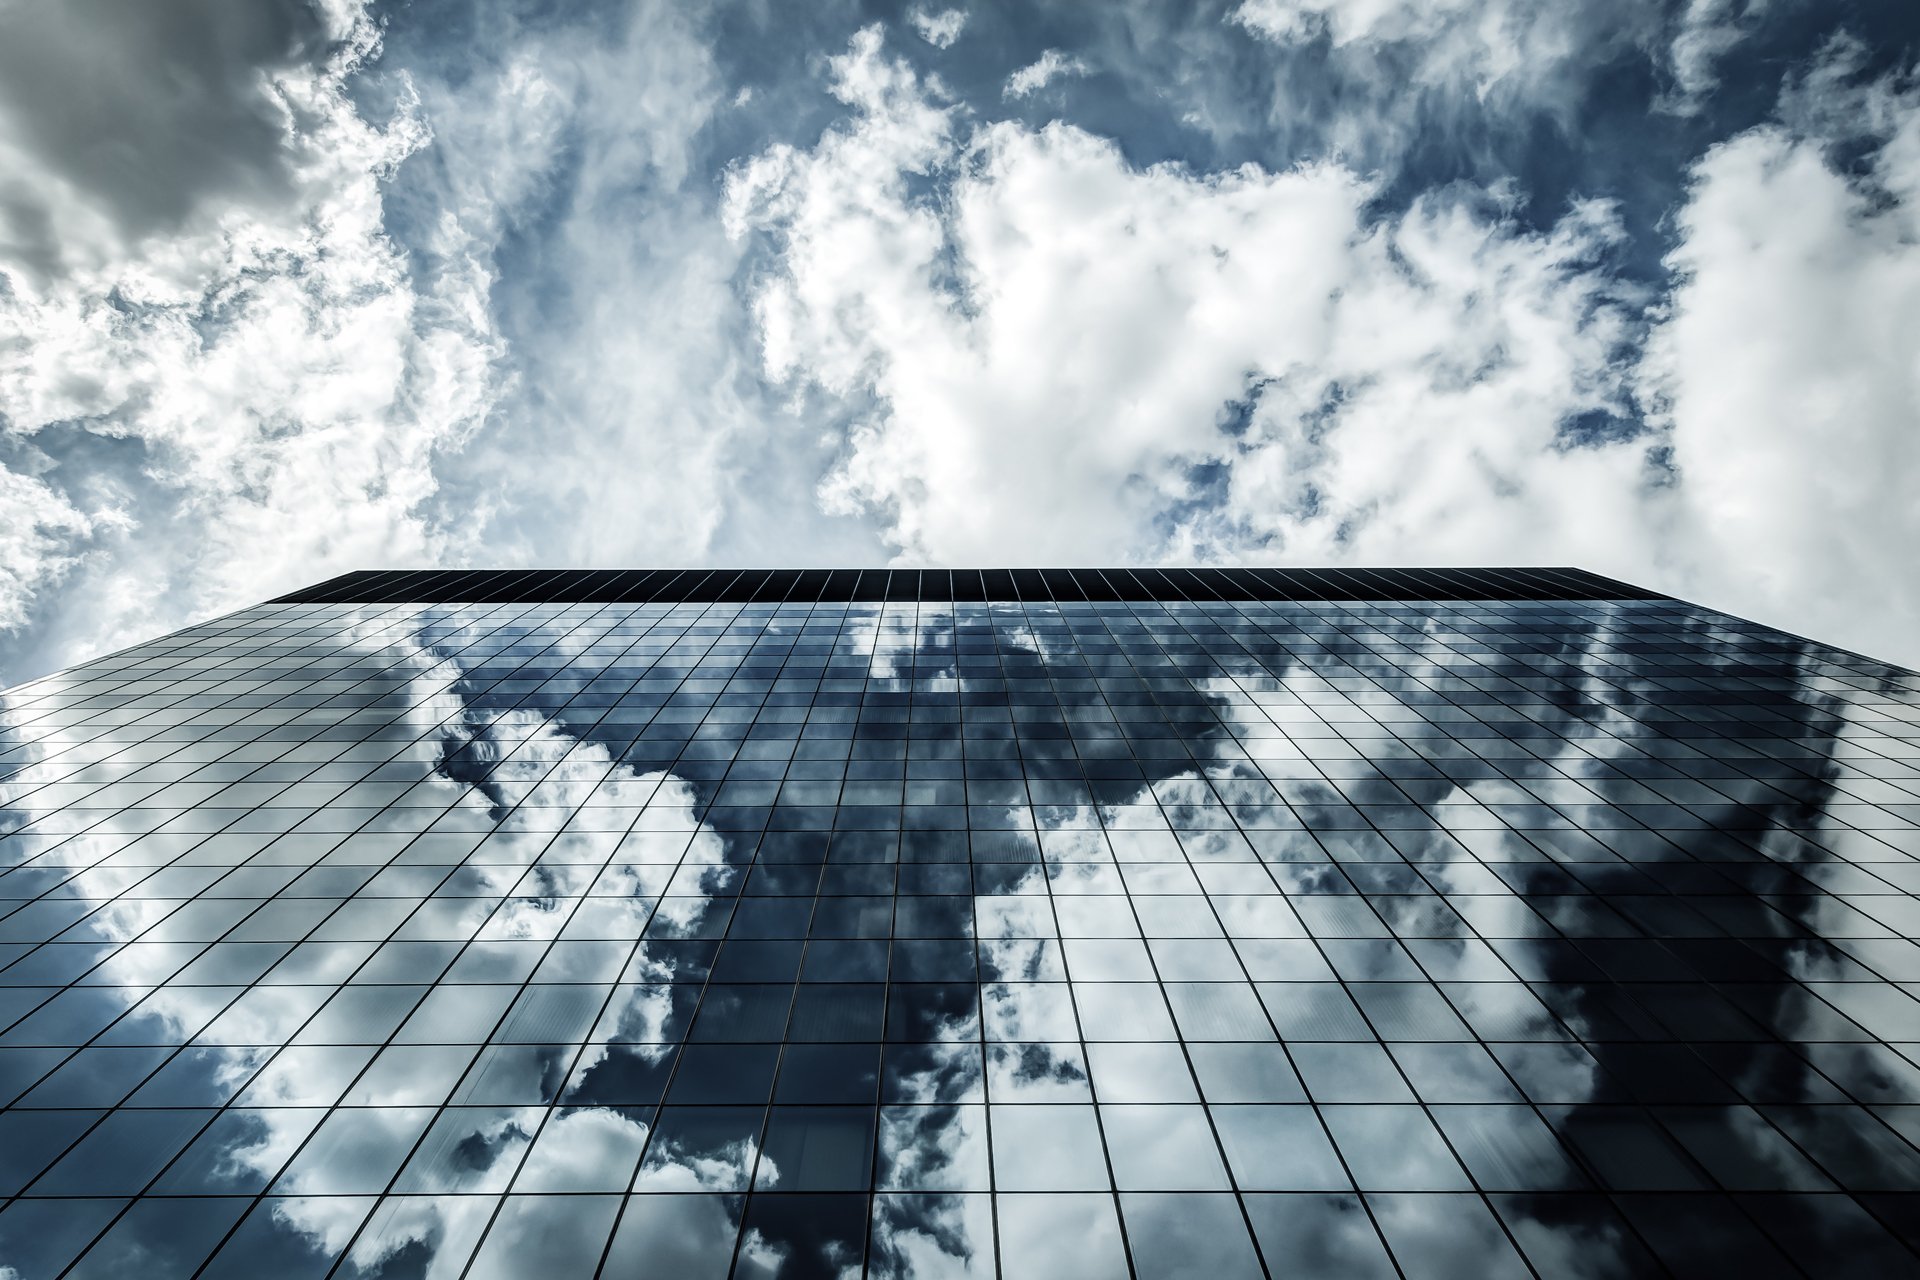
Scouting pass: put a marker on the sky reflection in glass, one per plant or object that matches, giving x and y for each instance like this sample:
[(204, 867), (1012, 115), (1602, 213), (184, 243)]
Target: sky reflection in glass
[(927, 939)]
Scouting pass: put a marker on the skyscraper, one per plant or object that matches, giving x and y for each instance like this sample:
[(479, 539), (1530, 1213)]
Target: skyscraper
[(918, 923)]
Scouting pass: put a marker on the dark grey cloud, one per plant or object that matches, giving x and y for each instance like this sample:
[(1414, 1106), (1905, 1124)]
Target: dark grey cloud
[(148, 111)]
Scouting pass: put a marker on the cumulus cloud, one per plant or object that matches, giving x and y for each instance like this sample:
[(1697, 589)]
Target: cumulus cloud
[(495, 311), (230, 400), (1043, 352), (38, 530), (274, 304), (1037, 75), (939, 29), (1785, 366), (1067, 357)]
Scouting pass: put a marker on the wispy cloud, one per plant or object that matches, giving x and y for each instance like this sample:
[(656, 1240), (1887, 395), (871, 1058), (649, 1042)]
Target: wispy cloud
[(1381, 81), (567, 169), (1037, 75), (939, 29)]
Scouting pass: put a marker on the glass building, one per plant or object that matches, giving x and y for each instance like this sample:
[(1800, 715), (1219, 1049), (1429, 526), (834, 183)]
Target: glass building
[(937, 924)]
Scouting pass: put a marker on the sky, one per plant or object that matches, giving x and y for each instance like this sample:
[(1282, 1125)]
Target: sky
[(295, 287)]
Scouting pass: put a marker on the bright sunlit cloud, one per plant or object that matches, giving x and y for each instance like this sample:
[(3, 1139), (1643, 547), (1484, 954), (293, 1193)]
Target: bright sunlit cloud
[(291, 288)]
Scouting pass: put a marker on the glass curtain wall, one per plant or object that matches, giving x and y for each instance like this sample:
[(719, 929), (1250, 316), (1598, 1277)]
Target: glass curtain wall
[(1033, 937)]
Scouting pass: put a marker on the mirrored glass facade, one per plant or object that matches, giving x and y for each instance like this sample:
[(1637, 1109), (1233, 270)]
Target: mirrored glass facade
[(1037, 925)]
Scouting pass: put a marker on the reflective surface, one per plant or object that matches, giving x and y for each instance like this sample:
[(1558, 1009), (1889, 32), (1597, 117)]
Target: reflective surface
[(909, 939)]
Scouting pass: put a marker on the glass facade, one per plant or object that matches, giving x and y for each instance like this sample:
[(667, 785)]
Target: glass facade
[(1220, 924)]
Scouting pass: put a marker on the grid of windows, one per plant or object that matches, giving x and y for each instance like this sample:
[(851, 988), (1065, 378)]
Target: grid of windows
[(935, 938)]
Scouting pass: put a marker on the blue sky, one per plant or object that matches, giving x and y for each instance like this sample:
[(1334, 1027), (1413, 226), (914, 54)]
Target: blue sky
[(288, 289)]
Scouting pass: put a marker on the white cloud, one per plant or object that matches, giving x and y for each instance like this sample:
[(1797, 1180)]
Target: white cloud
[(1050, 66), (1037, 364), (1042, 353), (1346, 22), (1787, 370), (1024, 346), (567, 166), (939, 29), (503, 326), (1707, 31), (39, 530), (282, 386)]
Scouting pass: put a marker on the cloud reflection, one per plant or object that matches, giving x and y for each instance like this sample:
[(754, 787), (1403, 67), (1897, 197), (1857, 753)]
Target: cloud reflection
[(542, 993)]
